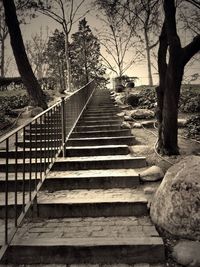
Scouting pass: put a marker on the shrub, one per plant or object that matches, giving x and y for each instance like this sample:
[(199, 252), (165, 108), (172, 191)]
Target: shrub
[(189, 101), (193, 127), (147, 98)]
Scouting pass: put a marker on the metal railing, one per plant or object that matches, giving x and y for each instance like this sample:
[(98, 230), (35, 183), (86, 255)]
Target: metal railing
[(28, 153)]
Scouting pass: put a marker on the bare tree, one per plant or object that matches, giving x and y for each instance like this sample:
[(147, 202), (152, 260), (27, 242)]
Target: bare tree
[(143, 18), (116, 40), (25, 70), (65, 13), (170, 77), (36, 48)]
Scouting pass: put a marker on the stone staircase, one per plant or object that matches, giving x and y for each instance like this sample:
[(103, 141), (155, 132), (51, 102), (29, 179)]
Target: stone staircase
[(91, 208)]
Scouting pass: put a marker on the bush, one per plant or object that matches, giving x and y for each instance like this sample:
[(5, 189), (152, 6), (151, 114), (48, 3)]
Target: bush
[(189, 101), (13, 102), (193, 127), (147, 98), (119, 88)]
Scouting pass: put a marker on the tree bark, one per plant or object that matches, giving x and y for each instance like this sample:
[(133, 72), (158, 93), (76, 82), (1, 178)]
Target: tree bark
[(2, 57), (34, 90)]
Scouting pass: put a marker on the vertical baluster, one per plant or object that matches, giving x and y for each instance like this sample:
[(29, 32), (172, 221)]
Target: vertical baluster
[(52, 134), (36, 150), (30, 162), (23, 170), (6, 192), (16, 174), (45, 146), (63, 122), (48, 143), (40, 152)]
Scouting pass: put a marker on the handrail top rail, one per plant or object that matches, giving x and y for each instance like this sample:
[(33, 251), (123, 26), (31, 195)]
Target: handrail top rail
[(9, 134)]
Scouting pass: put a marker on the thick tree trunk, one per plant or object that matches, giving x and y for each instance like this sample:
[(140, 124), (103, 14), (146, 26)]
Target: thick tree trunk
[(2, 58), (24, 67)]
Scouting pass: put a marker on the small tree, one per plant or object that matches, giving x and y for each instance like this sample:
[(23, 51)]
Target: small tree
[(54, 56), (170, 78), (85, 54), (25, 70)]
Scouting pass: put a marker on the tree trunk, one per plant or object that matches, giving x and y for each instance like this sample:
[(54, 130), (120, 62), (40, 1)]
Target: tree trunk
[(150, 78), (68, 62), (2, 58), (24, 67)]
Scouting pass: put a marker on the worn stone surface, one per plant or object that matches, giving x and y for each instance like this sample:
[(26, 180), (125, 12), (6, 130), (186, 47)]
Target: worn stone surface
[(101, 227), (187, 253), (176, 204), (154, 173)]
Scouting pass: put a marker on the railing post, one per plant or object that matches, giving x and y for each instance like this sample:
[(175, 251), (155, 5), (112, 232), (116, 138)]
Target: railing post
[(63, 123)]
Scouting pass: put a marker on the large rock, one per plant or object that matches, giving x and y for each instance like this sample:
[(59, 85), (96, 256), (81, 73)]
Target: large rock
[(187, 253), (176, 204), (141, 113), (152, 174)]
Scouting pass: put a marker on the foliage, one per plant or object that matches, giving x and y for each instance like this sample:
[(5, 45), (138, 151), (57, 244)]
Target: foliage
[(190, 101), (55, 56), (147, 98), (85, 55), (193, 127), (9, 102)]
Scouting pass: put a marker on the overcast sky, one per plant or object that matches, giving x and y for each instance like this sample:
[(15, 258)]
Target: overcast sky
[(138, 70)]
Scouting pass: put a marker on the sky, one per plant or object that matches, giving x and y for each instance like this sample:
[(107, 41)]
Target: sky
[(139, 70)]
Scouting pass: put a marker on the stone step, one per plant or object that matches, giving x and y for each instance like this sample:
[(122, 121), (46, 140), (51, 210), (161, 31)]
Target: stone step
[(80, 179), (97, 141), (109, 133), (98, 122), (101, 113), (92, 141), (99, 118), (83, 203), (114, 240), (104, 127), (91, 179), (103, 150), (99, 162)]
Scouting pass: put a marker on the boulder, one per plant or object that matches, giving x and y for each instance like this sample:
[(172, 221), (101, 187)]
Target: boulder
[(119, 99), (125, 125), (128, 118), (142, 114), (152, 174), (187, 253), (121, 114), (137, 125), (176, 204)]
